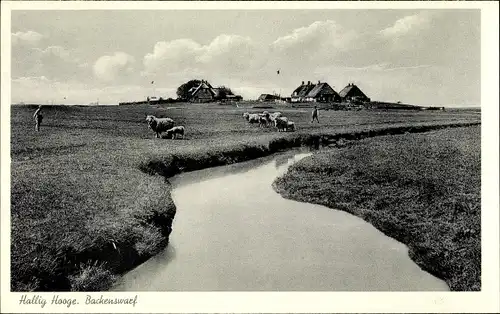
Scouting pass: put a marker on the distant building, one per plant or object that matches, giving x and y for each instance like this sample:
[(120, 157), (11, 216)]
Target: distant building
[(352, 93), (232, 98), (268, 97)]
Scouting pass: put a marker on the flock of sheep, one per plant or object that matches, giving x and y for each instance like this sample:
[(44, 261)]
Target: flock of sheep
[(265, 119)]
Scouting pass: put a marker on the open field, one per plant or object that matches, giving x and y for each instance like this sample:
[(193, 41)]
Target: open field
[(422, 189), (89, 196)]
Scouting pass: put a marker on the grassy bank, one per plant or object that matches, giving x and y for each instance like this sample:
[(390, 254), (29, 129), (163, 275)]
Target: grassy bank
[(89, 195), (421, 189)]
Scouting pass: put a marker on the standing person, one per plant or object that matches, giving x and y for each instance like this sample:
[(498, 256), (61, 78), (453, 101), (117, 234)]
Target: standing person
[(315, 114), (38, 118)]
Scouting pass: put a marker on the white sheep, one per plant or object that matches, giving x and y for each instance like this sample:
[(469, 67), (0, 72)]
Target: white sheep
[(274, 115), (159, 125), (253, 118), (246, 115), (290, 126), (175, 131)]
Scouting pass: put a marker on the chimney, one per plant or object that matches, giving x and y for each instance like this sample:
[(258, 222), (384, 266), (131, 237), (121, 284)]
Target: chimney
[(319, 82), (302, 83), (308, 82)]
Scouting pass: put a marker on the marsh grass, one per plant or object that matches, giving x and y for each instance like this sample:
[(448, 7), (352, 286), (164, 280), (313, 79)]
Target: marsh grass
[(91, 185)]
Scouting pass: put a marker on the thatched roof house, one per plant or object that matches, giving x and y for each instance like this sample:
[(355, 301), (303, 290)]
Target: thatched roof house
[(322, 92), (352, 93), (202, 93)]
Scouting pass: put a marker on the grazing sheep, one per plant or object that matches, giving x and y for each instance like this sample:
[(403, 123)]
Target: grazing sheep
[(159, 125), (290, 126), (281, 123), (246, 115), (262, 121), (253, 118), (175, 131), (274, 115)]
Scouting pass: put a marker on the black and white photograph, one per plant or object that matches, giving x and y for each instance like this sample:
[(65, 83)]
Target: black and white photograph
[(244, 147)]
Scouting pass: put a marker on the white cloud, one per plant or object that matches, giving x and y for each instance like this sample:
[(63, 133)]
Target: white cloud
[(29, 37), (54, 62), (172, 55), (320, 34), (411, 24), (230, 53), (227, 53), (108, 68)]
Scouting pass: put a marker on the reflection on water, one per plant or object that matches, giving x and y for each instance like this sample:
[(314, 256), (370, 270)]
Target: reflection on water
[(232, 232)]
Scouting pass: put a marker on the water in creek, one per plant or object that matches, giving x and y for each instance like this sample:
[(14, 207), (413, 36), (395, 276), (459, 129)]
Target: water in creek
[(233, 232)]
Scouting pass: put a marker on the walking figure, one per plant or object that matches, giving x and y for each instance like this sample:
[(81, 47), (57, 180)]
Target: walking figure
[(38, 118), (315, 114)]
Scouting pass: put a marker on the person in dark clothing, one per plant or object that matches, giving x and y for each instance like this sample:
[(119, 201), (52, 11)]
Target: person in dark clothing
[(38, 118), (315, 114)]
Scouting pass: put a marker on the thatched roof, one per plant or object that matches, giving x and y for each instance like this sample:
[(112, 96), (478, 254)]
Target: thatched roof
[(204, 85), (303, 89), (351, 90), (321, 87)]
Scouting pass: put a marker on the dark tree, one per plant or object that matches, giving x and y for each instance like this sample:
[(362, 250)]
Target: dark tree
[(183, 90), (224, 92)]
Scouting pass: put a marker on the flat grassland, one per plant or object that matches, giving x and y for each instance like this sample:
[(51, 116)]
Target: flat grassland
[(424, 190), (89, 195)]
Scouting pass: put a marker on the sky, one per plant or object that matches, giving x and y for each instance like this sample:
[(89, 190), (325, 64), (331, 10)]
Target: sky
[(423, 57)]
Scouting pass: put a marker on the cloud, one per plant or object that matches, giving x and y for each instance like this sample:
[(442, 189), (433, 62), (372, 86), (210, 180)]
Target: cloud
[(320, 34), (54, 62), (230, 52), (108, 68), (56, 51), (226, 53), (411, 24), (173, 55), (29, 37)]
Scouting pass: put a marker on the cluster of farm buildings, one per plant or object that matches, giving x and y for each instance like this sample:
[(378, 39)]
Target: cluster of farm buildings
[(306, 92), (321, 92)]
